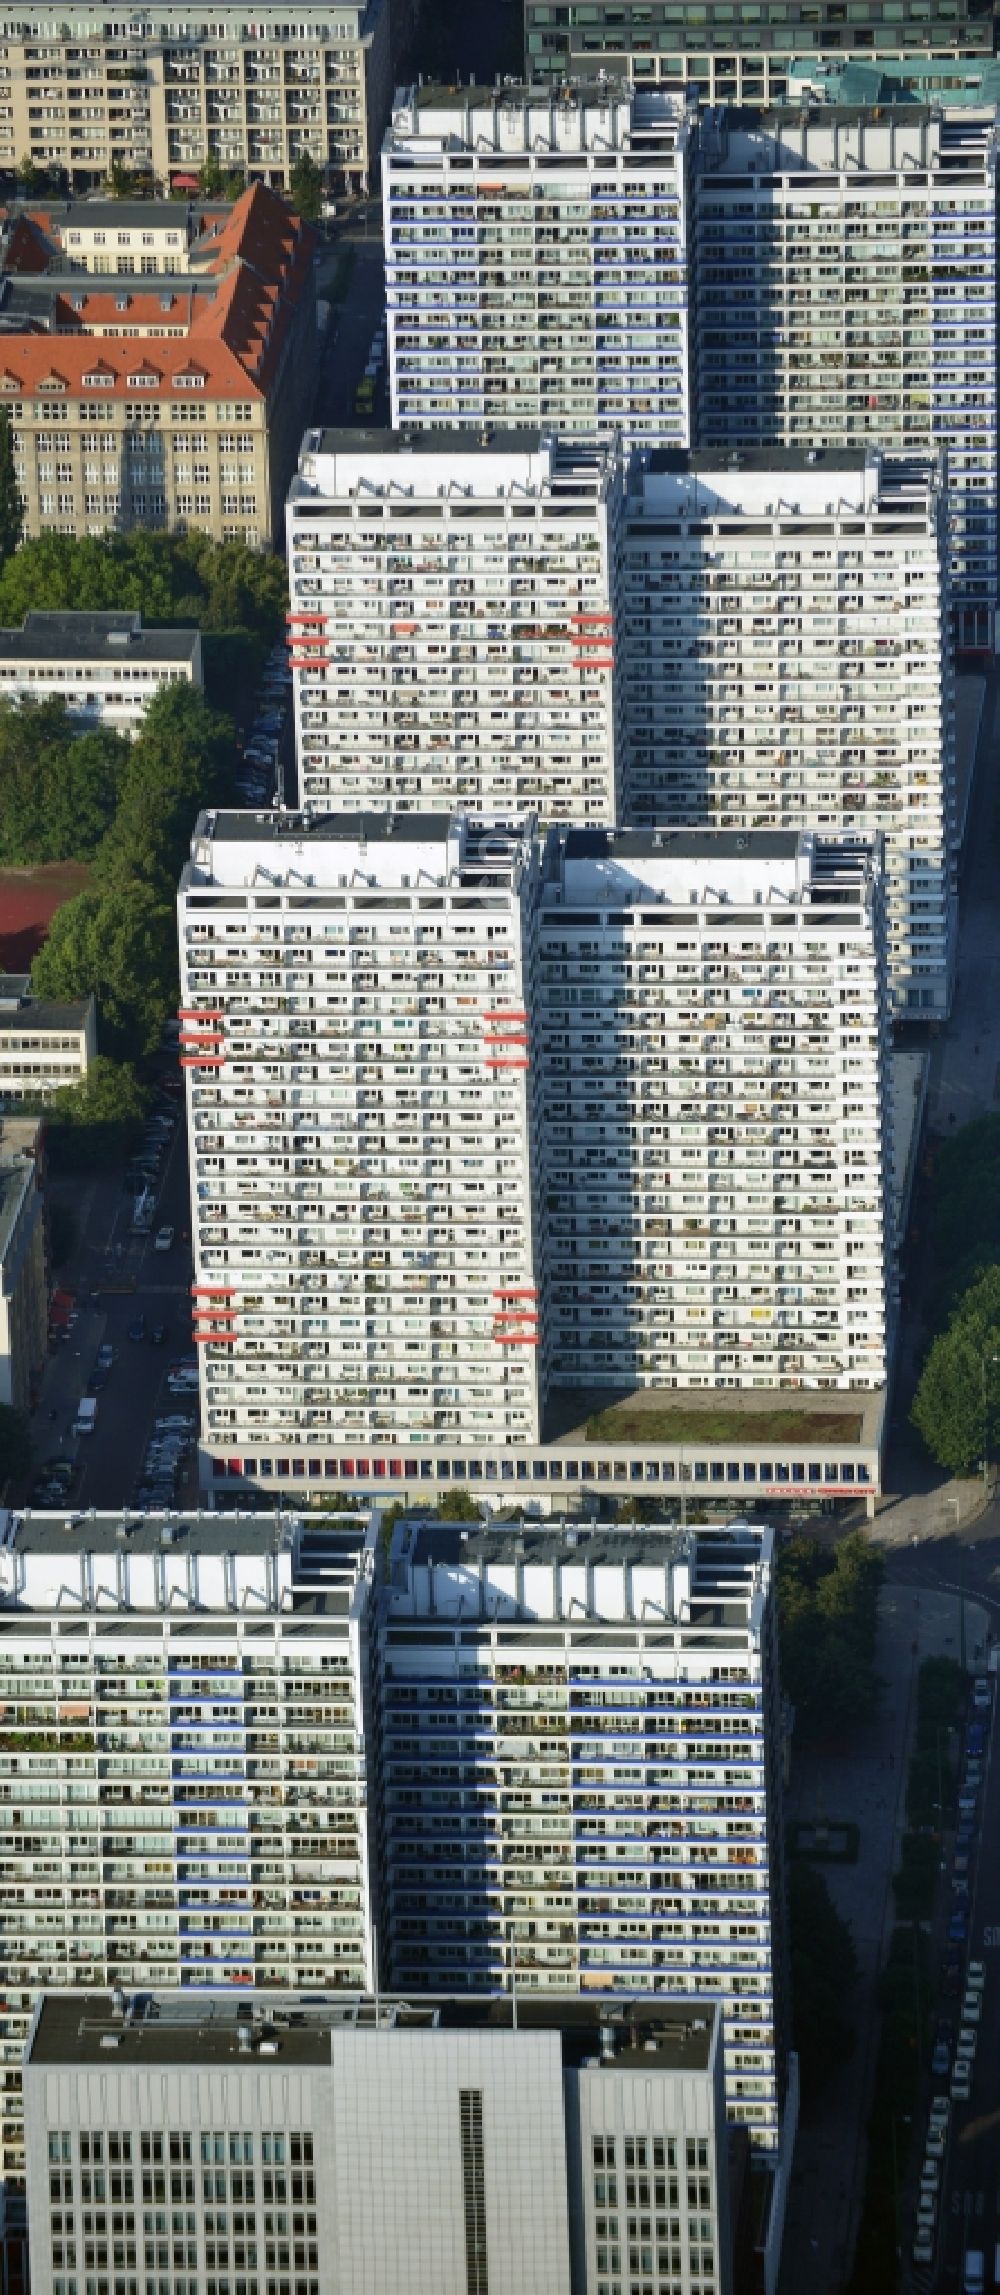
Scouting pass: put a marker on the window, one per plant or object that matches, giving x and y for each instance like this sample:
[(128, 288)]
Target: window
[(470, 2108)]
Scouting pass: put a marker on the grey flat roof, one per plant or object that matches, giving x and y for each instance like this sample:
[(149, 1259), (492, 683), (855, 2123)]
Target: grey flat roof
[(79, 2028), (375, 828), (567, 1539), (105, 637), (696, 844), (96, 214), (428, 442), (19, 1009), (688, 462), (69, 1530)]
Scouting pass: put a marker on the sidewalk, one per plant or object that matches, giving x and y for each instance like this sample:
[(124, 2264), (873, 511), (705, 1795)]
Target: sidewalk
[(868, 1784)]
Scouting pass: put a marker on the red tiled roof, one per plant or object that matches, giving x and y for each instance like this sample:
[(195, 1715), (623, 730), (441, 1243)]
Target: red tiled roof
[(258, 258)]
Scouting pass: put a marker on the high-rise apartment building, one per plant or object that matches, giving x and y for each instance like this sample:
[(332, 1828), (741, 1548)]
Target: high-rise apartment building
[(580, 1774), (183, 1760), (472, 1123), (566, 2148), (452, 639), (785, 647), (711, 1026), (728, 54), (364, 1171), (535, 252), (846, 267), (96, 91)]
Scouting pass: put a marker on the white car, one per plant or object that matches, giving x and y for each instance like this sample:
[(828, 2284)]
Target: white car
[(972, 2008), (163, 1239), (930, 2173), (936, 2139), (961, 2082), (982, 1696), (975, 1976)]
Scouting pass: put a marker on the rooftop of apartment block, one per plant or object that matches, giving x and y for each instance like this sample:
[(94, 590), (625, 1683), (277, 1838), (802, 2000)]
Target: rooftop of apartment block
[(779, 1419), (150, 2029), (374, 852), (69, 1531), (20, 1009), (95, 638), (428, 445)]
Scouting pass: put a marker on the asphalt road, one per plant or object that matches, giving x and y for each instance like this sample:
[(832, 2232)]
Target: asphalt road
[(120, 1276), (353, 322), (970, 2214)]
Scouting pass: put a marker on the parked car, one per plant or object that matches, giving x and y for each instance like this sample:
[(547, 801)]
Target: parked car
[(982, 1694), (958, 1927), (961, 2082), (975, 1978), (105, 1355), (972, 2007), (163, 1240), (937, 2138), (923, 2249), (137, 1328), (940, 2059)]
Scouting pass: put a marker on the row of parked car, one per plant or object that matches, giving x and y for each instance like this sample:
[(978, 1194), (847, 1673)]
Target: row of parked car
[(953, 2056), (255, 780), (145, 1166), (167, 1451)]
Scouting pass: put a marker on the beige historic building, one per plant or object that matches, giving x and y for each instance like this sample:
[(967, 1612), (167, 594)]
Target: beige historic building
[(159, 364)]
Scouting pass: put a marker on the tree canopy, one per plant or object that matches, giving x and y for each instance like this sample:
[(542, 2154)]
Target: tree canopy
[(306, 187), (828, 1618), (962, 1210), (121, 947), (957, 1403), (11, 505), (59, 788), (237, 596), (179, 761), (92, 1123)]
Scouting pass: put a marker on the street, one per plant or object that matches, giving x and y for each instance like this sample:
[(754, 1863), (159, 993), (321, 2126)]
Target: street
[(121, 1277)]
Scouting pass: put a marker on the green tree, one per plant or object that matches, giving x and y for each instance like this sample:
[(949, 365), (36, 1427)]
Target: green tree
[(824, 1970), (306, 188), (120, 946), (58, 787), (93, 1123), (458, 1506), (828, 1613), (957, 1403), (181, 759), (211, 181), (30, 178), (11, 505)]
